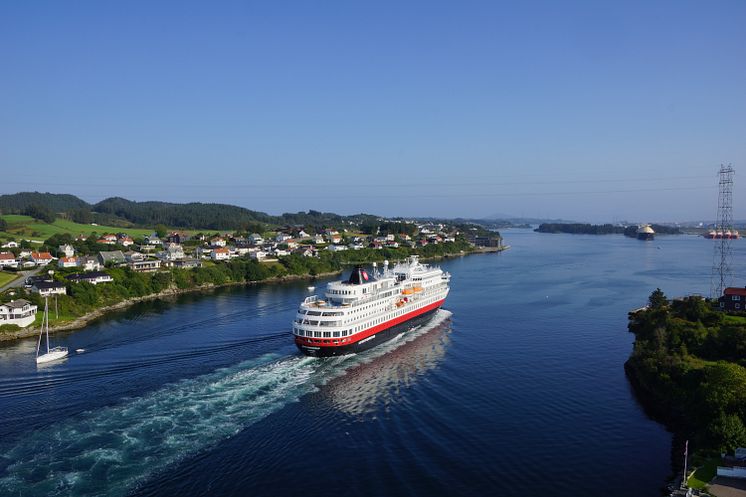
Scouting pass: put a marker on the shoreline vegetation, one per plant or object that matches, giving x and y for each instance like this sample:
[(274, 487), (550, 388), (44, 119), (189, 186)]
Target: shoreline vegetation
[(175, 282), (688, 369)]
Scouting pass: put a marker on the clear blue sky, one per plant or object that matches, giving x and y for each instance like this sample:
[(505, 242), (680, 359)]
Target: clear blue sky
[(595, 111)]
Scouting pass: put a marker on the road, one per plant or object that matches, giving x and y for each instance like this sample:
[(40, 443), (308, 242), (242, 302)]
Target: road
[(18, 282)]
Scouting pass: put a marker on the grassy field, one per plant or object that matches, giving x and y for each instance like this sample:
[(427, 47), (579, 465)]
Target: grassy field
[(27, 227), (6, 278)]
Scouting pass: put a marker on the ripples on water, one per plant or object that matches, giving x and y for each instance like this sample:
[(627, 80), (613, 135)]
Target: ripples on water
[(112, 449), (521, 391)]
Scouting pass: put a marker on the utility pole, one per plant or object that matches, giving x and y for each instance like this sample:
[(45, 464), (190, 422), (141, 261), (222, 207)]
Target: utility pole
[(721, 263)]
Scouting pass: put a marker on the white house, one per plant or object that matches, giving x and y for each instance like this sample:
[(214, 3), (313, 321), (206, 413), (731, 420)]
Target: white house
[(256, 239), (47, 288), (336, 248), (318, 239), (93, 278), (218, 242), (258, 255), (66, 250), (303, 234), (220, 254), (18, 312), (152, 239), (41, 258), (281, 237), (173, 252), (8, 259), (89, 263), (64, 262), (10, 244)]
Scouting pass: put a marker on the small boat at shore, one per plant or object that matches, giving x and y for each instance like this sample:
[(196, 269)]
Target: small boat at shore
[(52, 354)]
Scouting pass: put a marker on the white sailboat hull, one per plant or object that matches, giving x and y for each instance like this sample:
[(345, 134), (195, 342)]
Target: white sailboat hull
[(53, 355)]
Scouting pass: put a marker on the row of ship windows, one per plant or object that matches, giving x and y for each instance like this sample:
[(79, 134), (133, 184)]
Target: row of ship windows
[(344, 333)]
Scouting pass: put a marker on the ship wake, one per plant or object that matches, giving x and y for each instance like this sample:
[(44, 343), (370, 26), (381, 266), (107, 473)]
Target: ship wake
[(113, 449)]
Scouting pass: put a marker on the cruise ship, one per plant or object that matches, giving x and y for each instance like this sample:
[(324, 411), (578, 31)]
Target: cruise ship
[(369, 308)]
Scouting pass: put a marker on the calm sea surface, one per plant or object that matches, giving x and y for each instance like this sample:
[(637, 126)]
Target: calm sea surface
[(518, 388)]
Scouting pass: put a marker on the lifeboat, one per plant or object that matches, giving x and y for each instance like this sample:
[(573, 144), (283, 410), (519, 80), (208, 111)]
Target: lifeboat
[(407, 291), (417, 289)]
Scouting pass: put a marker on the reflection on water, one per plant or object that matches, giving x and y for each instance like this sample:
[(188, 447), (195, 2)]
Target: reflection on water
[(363, 387)]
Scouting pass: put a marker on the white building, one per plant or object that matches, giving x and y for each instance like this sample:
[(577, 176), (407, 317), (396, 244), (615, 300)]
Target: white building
[(70, 261), (47, 288), (220, 254), (10, 244), (256, 239), (18, 312), (41, 258), (258, 255), (173, 252), (66, 250), (7, 259)]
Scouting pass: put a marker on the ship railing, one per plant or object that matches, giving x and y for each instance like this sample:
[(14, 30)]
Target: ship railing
[(311, 299)]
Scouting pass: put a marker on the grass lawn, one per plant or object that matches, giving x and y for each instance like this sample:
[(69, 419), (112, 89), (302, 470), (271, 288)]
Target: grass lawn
[(6, 278), (28, 227), (704, 474), (728, 319)]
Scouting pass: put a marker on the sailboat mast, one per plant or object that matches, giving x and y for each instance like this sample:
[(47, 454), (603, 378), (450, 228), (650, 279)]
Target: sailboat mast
[(46, 316)]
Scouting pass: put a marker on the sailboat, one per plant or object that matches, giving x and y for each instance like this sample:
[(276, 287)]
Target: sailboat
[(52, 354)]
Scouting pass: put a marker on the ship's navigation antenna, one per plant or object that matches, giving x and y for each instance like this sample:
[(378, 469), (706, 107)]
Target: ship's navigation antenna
[(721, 263)]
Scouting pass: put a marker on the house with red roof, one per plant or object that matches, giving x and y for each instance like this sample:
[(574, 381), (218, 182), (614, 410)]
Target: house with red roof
[(41, 258), (733, 299)]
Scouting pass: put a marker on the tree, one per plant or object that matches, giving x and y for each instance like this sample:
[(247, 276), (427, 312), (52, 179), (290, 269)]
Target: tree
[(41, 213), (727, 432), (657, 299), (3, 225)]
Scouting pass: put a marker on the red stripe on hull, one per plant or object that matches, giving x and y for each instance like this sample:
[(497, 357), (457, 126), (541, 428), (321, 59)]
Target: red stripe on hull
[(329, 342)]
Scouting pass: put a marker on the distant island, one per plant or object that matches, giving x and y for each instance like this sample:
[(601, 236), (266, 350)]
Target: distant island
[(603, 229)]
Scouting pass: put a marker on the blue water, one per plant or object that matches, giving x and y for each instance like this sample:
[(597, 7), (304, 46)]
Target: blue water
[(517, 388)]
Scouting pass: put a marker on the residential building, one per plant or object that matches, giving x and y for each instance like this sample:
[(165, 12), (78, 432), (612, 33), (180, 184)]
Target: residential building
[(256, 239), (281, 237), (111, 257), (65, 262), (41, 258), (177, 237), (186, 263), (132, 256), (146, 265), (89, 263), (173, 252), (218, 242), (66, 250), (303, 234), (18, 312), (8, 259), (258, 255), (152, 239), (94, 278), (47, 288), (126, 241), (220, 254), (10, 244), (733, 299), (336, 248)]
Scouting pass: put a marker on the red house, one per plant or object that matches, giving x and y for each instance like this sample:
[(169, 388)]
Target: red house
[(733, 299)]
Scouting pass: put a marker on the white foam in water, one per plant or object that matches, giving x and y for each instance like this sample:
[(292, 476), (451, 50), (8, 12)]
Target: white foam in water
[(110, 450)]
